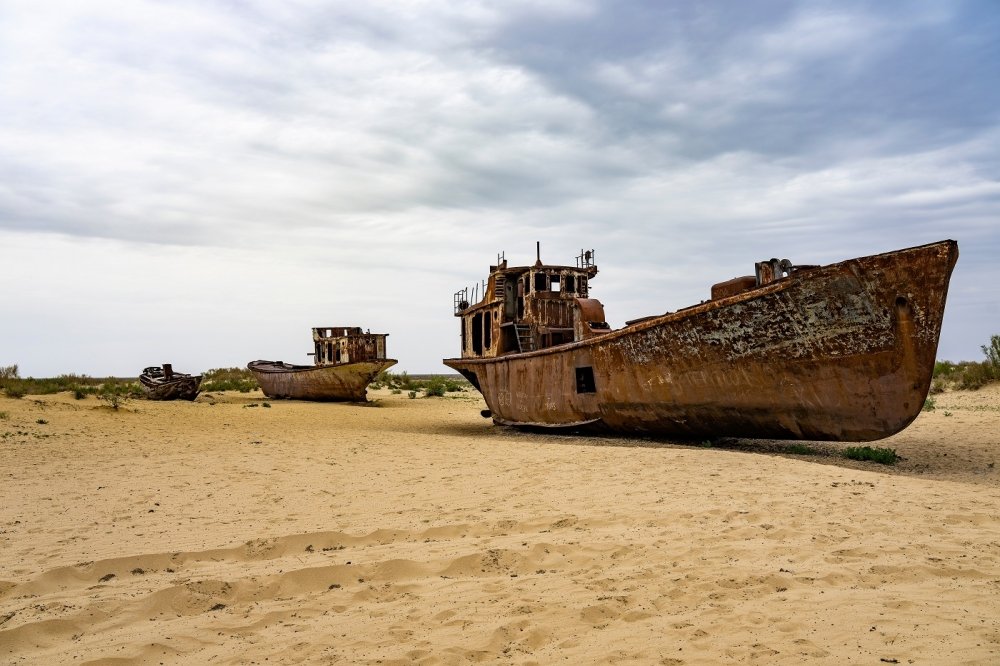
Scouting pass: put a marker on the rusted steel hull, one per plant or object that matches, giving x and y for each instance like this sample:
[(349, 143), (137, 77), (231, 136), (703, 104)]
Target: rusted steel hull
[(841, 352), (178, 388), (344, 382)]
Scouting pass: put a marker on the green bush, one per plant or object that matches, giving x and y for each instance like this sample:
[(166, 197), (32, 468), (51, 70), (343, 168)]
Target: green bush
[(15, 388), (880, 455), (944, 368), (435, 387), (229, 379), (115, 393), (992, 351), (977, 375), (969, 375), (929, 405)]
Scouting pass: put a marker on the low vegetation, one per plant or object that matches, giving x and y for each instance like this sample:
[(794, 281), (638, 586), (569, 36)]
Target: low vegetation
[(228, 379), (969, 375), (431, 385), (16, 386), (116, 393), (880, 455)]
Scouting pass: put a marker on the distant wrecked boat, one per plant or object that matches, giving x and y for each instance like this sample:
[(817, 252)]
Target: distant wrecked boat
[(839, 352), (162, 383), (346, 361)]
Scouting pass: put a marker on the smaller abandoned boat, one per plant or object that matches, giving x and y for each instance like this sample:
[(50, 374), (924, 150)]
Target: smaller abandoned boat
[(346, 360), (162, 383)]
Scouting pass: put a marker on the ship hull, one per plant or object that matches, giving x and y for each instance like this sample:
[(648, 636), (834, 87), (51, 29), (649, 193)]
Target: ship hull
[(346, 382), (843, 352)]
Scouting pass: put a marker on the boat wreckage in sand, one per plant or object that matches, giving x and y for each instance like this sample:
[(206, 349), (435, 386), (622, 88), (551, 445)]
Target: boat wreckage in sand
[(837, 352), (346, 360), (162, 383)]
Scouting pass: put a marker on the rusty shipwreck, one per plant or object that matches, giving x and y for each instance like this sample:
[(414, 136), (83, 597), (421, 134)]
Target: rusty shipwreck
[(836, 352), (346, 359), (163, 383)]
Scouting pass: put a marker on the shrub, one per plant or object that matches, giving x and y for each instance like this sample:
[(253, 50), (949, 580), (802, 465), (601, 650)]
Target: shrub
[(799, 449), (944, 368), (228, 379), (383, 379), (435, 387), (928, 404), (4, 416), (15, 388), (413, 394), (880, 455), (115, 393), (976, 375), (405, 382), (992, 352), (9, 372)]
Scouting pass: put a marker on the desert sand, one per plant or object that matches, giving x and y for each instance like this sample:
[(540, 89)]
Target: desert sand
[(415, 531)]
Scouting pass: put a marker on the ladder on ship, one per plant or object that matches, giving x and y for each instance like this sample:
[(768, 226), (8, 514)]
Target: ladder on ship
[(524, 340)]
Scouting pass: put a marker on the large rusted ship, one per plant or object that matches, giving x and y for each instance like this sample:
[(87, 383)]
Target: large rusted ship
[(346, 360), (838, 352)]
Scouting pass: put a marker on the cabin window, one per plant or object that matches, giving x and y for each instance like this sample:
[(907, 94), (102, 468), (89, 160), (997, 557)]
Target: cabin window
[(554, 284), (477, 333), (487, 333), (465, 337), (585, 380), (570, 284), (541, 281)]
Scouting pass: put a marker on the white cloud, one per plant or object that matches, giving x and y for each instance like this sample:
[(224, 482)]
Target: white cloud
[(307, 163)]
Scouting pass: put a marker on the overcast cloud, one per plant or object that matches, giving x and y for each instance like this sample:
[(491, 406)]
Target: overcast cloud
[(202, 182)]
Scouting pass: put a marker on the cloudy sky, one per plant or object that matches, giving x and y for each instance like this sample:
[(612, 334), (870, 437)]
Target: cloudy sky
[(201, 182)]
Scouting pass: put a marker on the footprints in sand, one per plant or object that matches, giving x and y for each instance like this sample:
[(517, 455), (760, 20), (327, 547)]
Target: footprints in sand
[(302, 579)]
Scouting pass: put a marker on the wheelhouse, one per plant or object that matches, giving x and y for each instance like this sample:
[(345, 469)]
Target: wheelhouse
[(527, 308)]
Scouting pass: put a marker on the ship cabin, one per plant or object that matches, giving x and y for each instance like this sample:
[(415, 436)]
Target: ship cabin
[(335, 345), (527, 308)]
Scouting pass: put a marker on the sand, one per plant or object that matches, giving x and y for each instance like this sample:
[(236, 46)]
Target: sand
[(415, 531)]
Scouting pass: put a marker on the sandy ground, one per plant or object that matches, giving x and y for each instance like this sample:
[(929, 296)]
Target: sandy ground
[(414, 531)]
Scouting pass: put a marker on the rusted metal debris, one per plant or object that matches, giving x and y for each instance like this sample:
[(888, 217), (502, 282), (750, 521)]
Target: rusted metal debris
[(162, 383), (838, 352), (346, 359)]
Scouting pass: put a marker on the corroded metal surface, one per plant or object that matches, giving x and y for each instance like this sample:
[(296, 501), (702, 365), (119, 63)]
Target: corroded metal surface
[(346, 361), (839, 352), (162, 383), (343, 382)]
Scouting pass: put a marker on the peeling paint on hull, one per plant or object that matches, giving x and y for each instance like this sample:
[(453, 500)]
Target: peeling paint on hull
[(841, 352)]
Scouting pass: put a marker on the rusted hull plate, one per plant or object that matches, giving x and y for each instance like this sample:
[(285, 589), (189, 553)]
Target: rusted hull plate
[(841, 352), (344, 382)]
